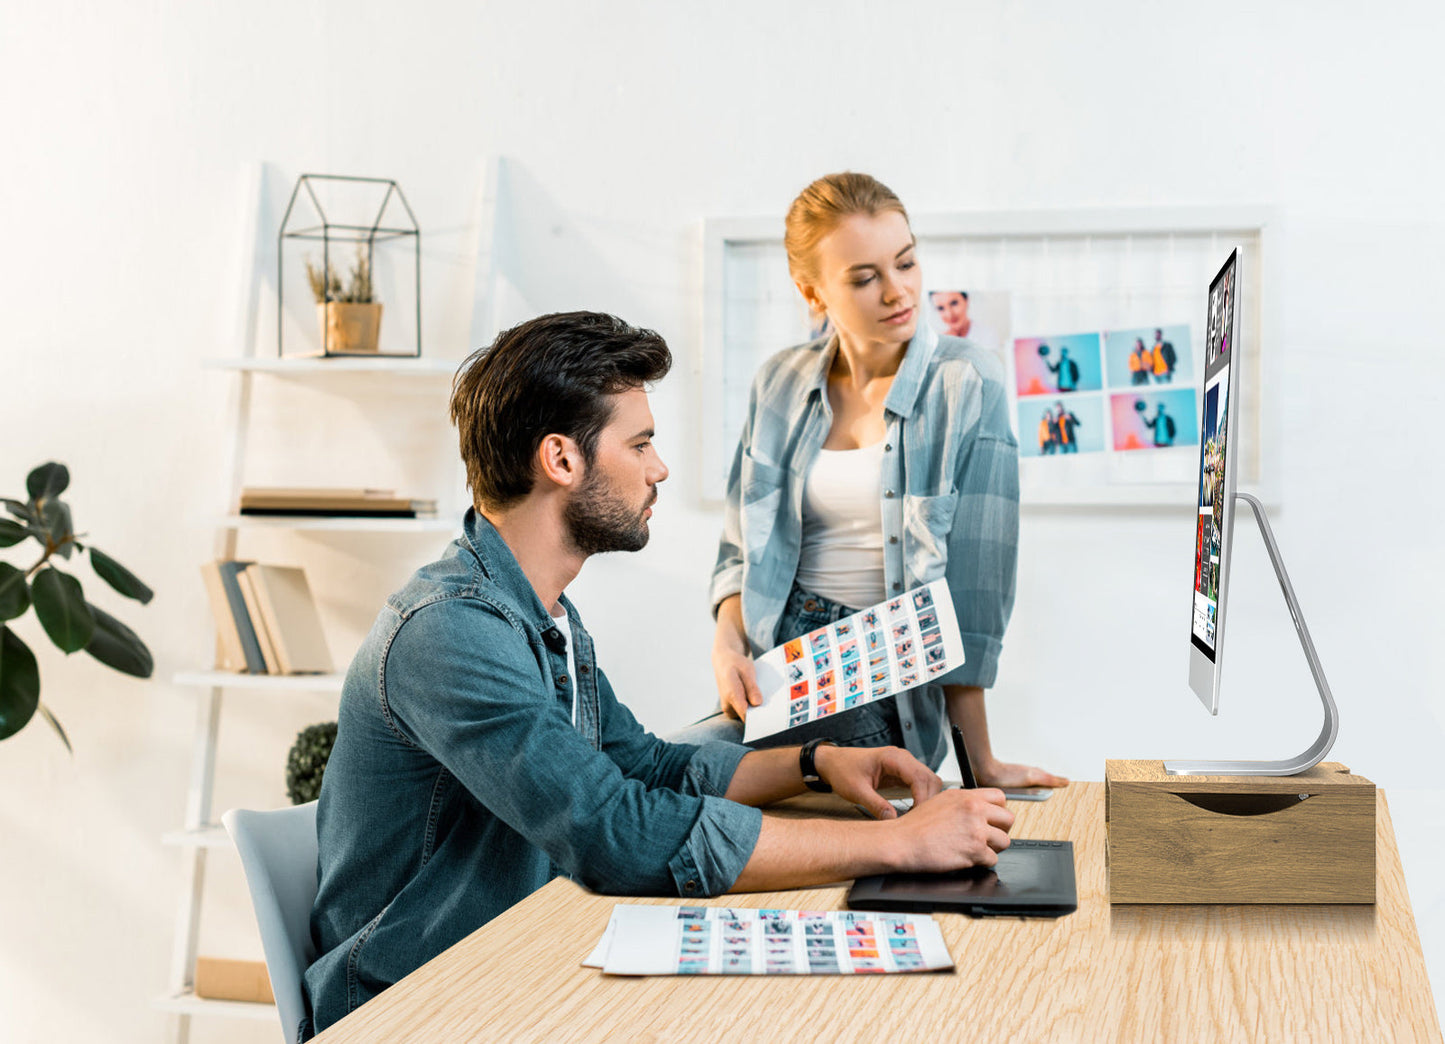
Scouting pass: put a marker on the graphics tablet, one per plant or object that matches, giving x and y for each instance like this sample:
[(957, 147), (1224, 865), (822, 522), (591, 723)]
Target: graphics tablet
[(1032, 879)]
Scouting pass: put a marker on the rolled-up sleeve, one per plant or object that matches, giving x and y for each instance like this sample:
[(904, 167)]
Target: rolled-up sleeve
[(718, 848)]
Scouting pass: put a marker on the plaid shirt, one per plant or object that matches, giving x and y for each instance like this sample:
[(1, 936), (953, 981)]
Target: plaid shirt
[(950, 500)]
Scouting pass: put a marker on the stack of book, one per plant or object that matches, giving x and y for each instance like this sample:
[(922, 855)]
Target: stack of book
[(346, 503), (266, 619)]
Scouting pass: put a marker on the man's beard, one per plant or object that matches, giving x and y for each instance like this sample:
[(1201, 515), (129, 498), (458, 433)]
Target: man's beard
[(598, 520)]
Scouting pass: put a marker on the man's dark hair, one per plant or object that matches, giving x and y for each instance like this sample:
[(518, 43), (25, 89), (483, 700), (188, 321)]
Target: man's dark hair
[(549, 375)]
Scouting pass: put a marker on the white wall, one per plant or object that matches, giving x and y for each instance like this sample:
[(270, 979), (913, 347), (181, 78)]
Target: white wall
[(124, 134)]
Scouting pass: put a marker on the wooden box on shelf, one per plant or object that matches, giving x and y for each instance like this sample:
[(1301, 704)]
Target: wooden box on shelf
[(1308, 838)]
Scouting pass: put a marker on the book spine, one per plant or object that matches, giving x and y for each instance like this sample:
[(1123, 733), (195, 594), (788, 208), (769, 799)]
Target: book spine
[(255, 662), (231, 655), (253, 608)]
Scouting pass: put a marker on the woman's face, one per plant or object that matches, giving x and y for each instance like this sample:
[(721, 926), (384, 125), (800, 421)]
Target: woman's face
[(869, 281), (952, 309)]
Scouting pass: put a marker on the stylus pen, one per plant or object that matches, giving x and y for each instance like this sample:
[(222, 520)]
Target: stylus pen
[(965, 770)]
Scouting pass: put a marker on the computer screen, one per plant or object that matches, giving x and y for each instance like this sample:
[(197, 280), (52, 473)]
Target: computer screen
[(1215, 522)]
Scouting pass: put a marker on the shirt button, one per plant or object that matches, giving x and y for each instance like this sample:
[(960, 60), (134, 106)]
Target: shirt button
[(583, 669), (888, 493), (690, 887), (908, 725), (888, 447), (897, 586), (893, 540), (561, 679)]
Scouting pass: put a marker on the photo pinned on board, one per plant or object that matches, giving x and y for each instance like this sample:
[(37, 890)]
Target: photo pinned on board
[(1060, 427), (1148, 355), (981, 316), (1152, 420), (1058, 365)]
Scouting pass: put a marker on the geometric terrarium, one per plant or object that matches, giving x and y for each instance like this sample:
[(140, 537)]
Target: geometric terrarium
[(355, 251)]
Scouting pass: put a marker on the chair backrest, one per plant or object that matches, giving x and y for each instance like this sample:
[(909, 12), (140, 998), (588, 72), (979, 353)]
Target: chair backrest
[(278, 854)]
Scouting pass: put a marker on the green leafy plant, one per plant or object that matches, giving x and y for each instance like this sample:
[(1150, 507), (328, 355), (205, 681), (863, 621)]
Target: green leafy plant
[(71, 622), (307, 761), (326, 284)]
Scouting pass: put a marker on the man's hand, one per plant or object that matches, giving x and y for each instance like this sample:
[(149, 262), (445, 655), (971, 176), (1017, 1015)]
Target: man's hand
[(1004, 774), (737, 681), (857, 773), (957, 828)]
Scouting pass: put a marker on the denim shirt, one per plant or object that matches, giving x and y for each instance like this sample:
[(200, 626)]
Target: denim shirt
[(459, 785), (950, 501)]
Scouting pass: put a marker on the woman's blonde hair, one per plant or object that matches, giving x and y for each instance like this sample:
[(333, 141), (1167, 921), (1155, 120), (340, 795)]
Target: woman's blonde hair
[(821, 206)]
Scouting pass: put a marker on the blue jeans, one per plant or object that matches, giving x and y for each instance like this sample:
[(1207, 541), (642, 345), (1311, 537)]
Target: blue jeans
[(869, 725)]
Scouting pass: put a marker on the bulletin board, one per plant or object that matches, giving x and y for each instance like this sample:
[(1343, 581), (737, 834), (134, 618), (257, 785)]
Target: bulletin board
[(1094, 282)]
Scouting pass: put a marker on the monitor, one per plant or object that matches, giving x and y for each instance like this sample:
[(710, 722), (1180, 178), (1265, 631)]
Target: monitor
[(1218, 495), (1214, 526)]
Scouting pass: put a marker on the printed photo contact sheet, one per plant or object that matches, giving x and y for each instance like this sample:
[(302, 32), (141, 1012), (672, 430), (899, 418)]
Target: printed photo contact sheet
[(878, 652)]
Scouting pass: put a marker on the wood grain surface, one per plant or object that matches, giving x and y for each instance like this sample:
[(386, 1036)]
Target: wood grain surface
[(1121, 973)]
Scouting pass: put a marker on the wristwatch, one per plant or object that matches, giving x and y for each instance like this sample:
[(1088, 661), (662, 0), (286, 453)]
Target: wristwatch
[(811, 779)]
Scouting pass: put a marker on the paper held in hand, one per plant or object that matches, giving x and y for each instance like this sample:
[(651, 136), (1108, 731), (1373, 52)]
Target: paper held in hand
[(877, 652), (711, 940)]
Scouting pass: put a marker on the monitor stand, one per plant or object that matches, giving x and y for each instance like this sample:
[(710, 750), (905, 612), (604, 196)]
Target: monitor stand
[(1322, 745)]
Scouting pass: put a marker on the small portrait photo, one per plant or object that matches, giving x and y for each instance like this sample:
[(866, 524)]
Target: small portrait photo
[(692, 967), (854, 686), (847, 651), (817, 928), (736, 940), (818, 640), (879, 691), (902, 630), (772, 915), (1059, 365), (824, 696), (1148, 355), (877, 659), (870, 620), (798, 705), (981, 316), (692, 913), (850, 670), (928, 618), (933, 637), (880, 676), (822, 662), (907, 663), (863, 955), (736, 924), (934, 654), (843, 628), (903, 648), (774, 927), (895, 607), (936, 668), (922, 599), (908, 961), (1150, 420), (902, 928), (696, 927), (798, 690), (825, 680), (1058, 427), (851, 700), (909, 680), (793, 650), (795, 672), (825, 709), (797, 717), (875, 641)]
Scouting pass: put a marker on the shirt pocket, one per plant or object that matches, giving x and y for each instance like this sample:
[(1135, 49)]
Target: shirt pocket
[(927, 525), (761, 485)]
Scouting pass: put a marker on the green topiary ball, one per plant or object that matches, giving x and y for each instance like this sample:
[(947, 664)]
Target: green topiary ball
[(307, 761)]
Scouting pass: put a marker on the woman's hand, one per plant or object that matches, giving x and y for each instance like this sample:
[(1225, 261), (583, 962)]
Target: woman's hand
[(732, 662), (1004, 774)]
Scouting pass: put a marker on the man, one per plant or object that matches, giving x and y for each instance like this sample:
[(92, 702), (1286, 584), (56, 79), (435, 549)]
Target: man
[(1066, 423), (480, 752), (1163, 359), (1163, 427), (1066, 371)]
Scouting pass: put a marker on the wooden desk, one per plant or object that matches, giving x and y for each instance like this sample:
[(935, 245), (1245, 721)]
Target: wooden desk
[(1123, 973)]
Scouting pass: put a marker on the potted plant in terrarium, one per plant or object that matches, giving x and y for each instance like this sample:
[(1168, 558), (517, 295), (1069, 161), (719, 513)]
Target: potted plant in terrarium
[(350, 317)]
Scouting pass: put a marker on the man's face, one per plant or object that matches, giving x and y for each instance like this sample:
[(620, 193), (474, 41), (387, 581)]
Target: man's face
[(610, 507)]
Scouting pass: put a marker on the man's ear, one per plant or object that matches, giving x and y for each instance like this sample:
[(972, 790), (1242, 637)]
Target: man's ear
[(560, 461)]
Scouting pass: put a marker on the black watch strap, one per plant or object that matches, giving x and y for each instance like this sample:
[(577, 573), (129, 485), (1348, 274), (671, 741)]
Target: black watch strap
[(811, 779)]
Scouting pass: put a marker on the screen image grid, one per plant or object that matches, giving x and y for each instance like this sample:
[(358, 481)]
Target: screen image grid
[(864, 657), (1213, 440), (716, 941)]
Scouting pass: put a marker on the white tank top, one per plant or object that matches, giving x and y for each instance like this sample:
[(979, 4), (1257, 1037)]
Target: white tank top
[(842, 555)]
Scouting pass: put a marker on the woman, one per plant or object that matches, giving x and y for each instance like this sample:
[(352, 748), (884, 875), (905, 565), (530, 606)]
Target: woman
[(873, 460)]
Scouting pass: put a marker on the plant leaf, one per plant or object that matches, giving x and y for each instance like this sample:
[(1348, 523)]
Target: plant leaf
[(19, 684), (60, 604), (14, 592), (119, 577), (55, 518), (11, 532), (18, 508), (116, 645), (55, 724), (47, 481)]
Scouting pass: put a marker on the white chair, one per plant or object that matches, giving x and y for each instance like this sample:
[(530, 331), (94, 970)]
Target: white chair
[(278, 854)]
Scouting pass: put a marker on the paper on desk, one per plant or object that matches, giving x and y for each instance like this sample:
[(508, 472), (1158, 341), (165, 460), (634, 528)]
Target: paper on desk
[(704, 940), (877, 652)]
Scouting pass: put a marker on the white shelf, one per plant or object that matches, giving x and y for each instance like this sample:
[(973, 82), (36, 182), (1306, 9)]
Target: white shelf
[(273, 682), (294, 366), (189, 1004), (337, 524), (213, 835)]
